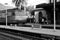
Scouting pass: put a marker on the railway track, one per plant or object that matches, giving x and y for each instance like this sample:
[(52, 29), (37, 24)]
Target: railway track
[(49, 26), (21, 35), (28, 35)]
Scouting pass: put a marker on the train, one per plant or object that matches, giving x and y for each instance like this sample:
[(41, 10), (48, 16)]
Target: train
[(14, 16), (38, 15)]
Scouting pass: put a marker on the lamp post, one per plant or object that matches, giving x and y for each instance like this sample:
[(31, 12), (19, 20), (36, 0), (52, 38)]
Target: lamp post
[(6, 13)]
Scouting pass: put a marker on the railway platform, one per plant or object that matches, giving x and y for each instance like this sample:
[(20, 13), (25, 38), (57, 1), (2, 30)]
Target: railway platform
[(46, 33)]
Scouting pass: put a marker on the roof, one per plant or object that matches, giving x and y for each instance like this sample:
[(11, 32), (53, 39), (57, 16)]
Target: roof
[(37, 9)]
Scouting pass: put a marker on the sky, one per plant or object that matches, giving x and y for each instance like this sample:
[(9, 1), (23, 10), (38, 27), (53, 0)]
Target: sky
[(7, 1), (30, 2), (35, 2)]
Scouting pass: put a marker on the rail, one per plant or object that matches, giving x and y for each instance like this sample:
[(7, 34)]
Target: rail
[(19, 35), (41, 25)]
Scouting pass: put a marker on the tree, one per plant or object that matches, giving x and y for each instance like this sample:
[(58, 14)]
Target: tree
[(18, 3)]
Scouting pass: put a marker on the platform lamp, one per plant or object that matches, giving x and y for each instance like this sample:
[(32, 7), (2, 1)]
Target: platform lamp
[(6, 13)]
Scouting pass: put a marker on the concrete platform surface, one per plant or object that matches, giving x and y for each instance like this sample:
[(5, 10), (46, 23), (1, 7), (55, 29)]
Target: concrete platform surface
[(34, 30)]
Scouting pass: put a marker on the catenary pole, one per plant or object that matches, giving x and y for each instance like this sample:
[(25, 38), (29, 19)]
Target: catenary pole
[(54, 16), (6, 13)]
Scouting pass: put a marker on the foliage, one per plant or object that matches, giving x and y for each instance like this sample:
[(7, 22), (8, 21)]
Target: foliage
[(18, 3)]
